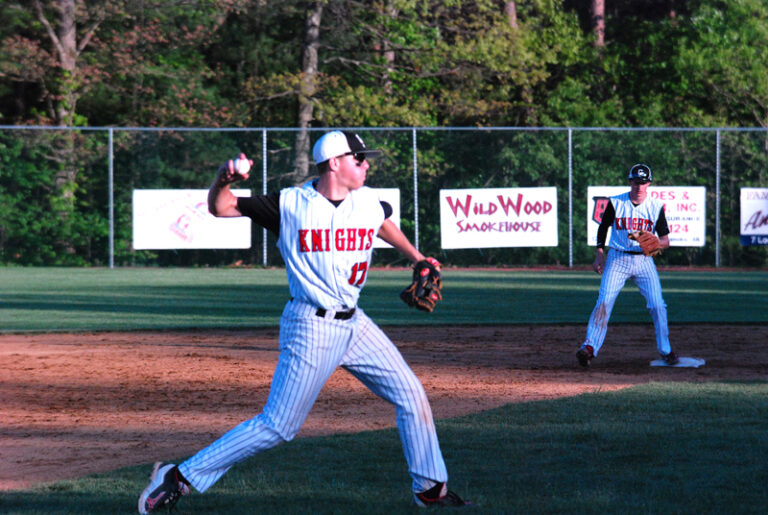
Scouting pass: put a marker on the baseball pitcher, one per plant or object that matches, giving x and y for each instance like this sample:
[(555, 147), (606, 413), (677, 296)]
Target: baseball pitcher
[(326, 229)]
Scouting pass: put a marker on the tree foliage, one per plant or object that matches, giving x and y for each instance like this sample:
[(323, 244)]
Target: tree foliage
[(380, 63), (386, 63)]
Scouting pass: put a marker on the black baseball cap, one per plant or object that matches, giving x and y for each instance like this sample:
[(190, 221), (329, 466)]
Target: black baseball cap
[(640, 173)]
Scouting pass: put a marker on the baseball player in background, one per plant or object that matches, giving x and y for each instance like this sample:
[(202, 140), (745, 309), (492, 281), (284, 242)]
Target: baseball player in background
[(325, 232), (630, 215)]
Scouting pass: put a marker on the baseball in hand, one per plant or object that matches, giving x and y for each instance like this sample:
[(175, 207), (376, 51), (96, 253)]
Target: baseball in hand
[(241, 165)]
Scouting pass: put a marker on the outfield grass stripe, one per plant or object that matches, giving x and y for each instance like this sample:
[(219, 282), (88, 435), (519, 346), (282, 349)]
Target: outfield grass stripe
[(55, 299)]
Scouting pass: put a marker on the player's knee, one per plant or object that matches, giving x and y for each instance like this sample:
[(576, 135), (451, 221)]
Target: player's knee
[(416, 389), (281, 431), (418, 403), (287, 432)]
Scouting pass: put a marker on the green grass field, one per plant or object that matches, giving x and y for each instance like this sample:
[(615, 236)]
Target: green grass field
[(77, 299), (659, 448)]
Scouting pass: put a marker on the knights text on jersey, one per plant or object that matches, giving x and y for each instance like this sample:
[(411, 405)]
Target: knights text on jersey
[(631, 218), (327, 249)]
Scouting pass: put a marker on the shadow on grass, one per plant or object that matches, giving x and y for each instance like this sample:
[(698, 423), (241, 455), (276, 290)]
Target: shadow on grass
[(657, 448)]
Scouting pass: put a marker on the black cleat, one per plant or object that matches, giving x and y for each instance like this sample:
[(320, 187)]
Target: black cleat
[(439, 496), (585, 355), (164, 489), (671, 359)]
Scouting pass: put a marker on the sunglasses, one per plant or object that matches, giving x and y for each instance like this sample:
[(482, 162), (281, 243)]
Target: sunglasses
[(357, 156)]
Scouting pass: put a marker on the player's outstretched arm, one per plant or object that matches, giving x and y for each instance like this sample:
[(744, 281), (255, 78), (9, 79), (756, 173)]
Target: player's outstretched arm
[(390, 233), (221, 201)]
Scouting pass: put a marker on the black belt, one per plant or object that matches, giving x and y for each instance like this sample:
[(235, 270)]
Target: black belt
[(631, 252), (340, 315)]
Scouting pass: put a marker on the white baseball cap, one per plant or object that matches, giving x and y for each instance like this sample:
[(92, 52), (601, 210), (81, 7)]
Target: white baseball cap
[(338, 143)]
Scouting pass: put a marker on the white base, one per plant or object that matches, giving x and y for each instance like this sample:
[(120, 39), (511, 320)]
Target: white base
[(684, 362)]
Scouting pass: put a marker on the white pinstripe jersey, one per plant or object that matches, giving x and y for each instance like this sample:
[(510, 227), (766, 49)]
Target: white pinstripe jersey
[(327, 249), (630, 218)]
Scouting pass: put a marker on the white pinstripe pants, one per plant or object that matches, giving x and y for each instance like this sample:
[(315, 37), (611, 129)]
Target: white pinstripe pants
[(311, 348), (620, 266)]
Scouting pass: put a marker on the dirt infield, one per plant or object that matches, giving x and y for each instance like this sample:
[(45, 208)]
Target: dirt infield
[(74, 404)]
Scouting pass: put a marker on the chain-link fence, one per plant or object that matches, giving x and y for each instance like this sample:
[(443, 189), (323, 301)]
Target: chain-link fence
[(66, 194)]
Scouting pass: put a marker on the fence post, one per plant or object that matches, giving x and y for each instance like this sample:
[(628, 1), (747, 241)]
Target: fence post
[(264, 191), (717, 199), (415, 192), (570, 198), (111, 188)]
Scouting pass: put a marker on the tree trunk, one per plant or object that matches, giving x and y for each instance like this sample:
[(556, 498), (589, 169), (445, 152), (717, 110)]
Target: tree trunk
[(598, 21), (68, 62), (309, 70), (527, 96), (510, 9), (388, 53), (67, 50)]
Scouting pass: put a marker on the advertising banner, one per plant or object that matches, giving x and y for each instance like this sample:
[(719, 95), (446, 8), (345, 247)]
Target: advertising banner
[(179, 219), (498, 217), (684, 208), (754, 216)]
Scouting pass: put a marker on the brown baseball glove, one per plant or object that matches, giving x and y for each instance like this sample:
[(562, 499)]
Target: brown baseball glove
[(424, 291), (648, 241)]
